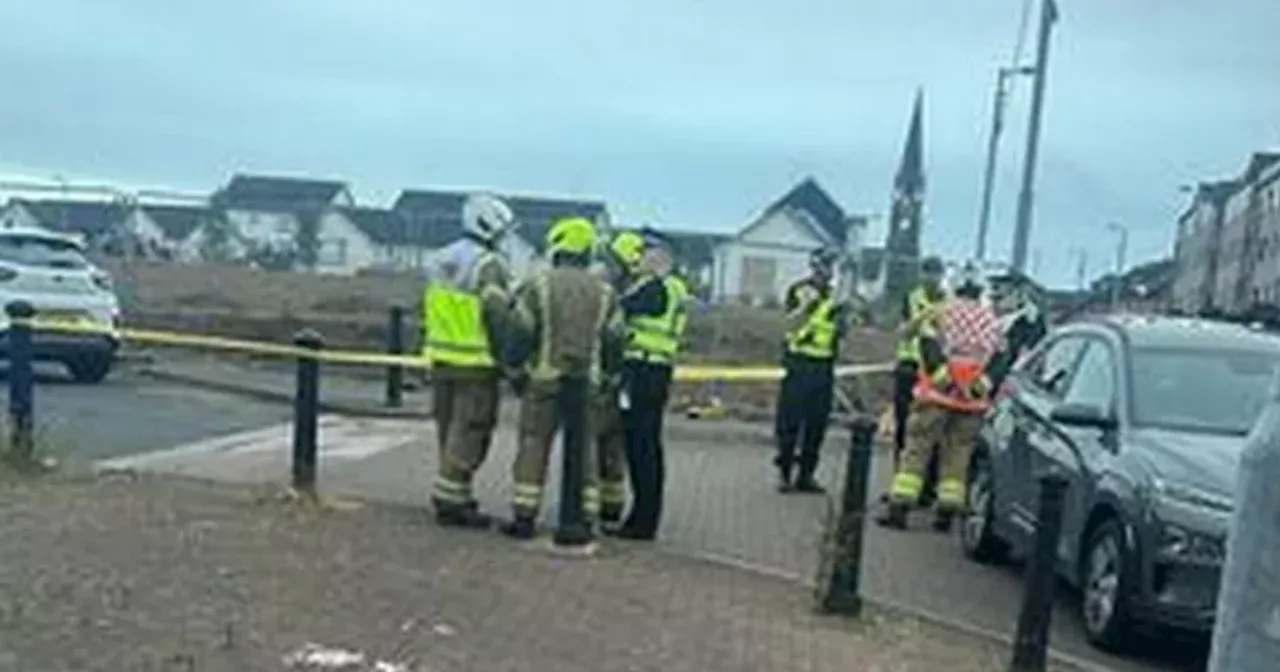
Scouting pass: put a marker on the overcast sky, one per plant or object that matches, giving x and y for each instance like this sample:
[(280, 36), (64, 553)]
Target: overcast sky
[(694, 113)]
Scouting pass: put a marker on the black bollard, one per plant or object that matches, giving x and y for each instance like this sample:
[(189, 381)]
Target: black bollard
[(395, 346), (572, 528), (306, 409), (1031, 642), (841, 593), (21, 381)]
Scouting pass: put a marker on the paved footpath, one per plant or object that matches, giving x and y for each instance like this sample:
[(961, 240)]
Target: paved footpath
[(170, 575), (720, 505)]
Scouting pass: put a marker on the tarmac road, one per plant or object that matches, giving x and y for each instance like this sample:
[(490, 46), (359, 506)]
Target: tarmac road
[(720, 503), (128, 414)]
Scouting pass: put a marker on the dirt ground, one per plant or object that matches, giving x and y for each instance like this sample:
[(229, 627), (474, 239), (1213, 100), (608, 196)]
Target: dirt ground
[(352, 313), (163, 575)]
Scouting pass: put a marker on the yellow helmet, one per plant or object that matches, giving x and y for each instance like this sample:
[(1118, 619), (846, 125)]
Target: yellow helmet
[(572, 235), (628, 247)]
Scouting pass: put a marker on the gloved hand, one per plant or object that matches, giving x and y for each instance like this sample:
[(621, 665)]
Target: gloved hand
[(980, 389)]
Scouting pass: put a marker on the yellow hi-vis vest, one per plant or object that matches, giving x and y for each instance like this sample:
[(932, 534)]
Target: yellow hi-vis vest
[(453, 324), (678, 291), (655, 339), (917, 301), (816, 338)]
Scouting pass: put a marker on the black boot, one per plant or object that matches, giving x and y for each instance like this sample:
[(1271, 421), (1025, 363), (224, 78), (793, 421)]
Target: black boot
[(894, 516), (521, 527), (466, 516), (942, 520), (610, 521), (808, 485)]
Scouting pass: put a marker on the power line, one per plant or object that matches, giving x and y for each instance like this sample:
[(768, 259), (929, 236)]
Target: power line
[(1024, 25)]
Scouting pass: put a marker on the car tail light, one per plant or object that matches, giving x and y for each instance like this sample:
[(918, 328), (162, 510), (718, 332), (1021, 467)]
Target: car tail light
[(7, 274), (102, 281)]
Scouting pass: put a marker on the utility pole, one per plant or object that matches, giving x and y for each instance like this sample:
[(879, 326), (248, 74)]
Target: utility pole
[(993, 147), (1022, 231), (1082, 267), (1122, 248)]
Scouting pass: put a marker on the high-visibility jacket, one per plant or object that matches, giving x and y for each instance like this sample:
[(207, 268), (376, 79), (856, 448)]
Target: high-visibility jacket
[(454, 332), (656, 338), (918, 301), (571, 334), (816, 338), (678, 291)]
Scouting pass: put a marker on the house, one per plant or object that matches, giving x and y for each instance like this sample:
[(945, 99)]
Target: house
[(1227, 248), (108, 226), (180, 229), (435, 218), (773, 249), (271, 214)]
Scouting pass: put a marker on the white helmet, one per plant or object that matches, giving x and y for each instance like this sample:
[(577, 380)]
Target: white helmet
[(486, 217)]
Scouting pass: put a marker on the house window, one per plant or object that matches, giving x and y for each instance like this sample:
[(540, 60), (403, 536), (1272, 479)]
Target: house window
[(333, 252), (759, 276)]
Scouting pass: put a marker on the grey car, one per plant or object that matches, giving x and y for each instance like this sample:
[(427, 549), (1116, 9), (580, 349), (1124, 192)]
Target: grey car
[(1147, 418)]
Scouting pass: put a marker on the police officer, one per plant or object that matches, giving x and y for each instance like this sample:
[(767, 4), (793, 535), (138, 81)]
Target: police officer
[(1022, 321), (652, 311), (465, 310), (919, 309), (948, 402), (570, 320), (813, 334)]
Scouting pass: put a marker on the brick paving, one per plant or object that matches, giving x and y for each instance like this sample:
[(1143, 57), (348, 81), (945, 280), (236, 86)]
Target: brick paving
[(154, 574)]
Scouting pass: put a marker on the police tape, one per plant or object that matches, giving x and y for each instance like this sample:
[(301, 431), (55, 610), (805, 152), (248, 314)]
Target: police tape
[(366, 358)]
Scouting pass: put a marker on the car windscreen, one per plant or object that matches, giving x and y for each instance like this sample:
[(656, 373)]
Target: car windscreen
[(1217, 391), (40, 252)]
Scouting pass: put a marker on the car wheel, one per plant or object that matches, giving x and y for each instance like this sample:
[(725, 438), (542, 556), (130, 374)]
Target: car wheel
[(978, 538), (1105, 586), (89, 369)]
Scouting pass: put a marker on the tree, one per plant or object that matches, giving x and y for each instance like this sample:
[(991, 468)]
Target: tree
[(215, 241), (307, 239)]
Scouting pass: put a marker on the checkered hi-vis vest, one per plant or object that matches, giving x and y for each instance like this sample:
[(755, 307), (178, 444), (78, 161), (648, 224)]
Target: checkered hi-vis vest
[(970, 334)]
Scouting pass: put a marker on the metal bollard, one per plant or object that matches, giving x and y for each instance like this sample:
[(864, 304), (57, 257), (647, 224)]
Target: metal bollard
[(572, 529), (395, 346), (1031, 642), (21, 380), (1246, 634), (841, 592), (306, 409)]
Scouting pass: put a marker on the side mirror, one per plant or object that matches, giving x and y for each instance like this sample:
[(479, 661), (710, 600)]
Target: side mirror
[(1083, 415)]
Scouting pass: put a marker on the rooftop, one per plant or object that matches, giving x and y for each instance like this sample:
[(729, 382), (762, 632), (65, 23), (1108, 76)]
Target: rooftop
[(270, 193), (177, 221), (90, 218)]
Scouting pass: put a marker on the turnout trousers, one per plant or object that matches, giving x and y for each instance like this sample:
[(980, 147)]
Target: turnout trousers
[(466, 412), (539, 422), (647, 385), (611, 454), (904, 380), (953, 433), (804, 409)]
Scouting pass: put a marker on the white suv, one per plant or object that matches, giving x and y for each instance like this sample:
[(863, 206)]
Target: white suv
[(49, 270)]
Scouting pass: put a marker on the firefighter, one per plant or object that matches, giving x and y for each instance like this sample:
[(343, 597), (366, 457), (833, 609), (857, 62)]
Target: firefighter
[(569, 320), (950, 398), (652, 311), (920, 307), (808, 383), (465, 312)]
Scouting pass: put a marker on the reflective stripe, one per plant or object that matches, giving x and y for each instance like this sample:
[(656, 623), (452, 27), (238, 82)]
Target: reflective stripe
[(528, 496), (906, 486), (613, 492), (452, 491), (951, 493), (591, 501)]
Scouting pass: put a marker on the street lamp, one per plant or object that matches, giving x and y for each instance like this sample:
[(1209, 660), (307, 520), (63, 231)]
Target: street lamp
[(1003, 75), (1122, 245)]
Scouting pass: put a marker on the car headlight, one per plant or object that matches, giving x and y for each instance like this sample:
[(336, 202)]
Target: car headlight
[(1179, 544)]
